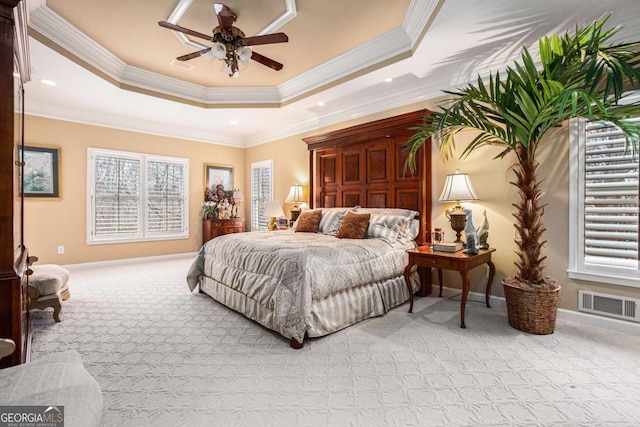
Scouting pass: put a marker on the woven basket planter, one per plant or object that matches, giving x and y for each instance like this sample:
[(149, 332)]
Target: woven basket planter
[(531, 310)]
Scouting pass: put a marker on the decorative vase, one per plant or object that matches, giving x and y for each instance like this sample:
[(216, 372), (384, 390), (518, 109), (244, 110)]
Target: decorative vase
[(212, 215), (529, 309)]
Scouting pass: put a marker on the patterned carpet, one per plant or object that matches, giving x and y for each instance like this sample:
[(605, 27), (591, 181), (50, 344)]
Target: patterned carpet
[(166, 357)]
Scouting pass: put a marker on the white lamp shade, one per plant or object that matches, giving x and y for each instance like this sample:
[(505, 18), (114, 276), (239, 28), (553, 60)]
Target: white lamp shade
[(218, 50), (244, 53), (296, 195), (237, 194), (274, 208), (458, 188)]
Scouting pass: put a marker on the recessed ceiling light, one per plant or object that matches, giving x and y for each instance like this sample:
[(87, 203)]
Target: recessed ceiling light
[(235, 122), (388, 80), (320, 104), (48, 82)]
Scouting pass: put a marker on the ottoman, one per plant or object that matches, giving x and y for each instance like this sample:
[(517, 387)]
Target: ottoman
[(48, 287)]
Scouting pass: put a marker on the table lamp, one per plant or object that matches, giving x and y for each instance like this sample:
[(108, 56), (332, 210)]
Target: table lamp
[(296, 195), (457, 188), (273, 211)]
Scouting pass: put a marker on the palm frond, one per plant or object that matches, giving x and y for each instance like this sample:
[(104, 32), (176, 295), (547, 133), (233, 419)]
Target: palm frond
[(582, 74)]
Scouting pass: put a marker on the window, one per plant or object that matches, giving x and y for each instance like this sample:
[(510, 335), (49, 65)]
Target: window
[(134, 197), (604, 177), (261, 192)]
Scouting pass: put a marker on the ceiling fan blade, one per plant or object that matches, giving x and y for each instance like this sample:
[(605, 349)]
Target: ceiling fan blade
[(226, 18), (193, 55), (175, 27), (266, 39), (266, 61)]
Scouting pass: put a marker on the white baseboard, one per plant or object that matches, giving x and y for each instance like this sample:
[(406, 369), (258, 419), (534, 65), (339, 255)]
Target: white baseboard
[(584, 319), (129, 261)]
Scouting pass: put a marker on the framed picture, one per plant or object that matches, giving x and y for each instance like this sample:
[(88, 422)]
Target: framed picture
[(218, 174), (283, 223), (41, 171)]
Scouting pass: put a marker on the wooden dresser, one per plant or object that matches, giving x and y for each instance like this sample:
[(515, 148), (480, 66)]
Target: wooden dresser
[(217, 227)]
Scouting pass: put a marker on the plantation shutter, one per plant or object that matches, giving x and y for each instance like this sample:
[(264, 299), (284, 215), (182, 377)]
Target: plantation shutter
[(261, 193), (611, 202), (135, 197), (117, 196), (165, 197)]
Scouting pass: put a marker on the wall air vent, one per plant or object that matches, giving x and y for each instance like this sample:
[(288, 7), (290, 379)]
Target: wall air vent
[(609, 305)]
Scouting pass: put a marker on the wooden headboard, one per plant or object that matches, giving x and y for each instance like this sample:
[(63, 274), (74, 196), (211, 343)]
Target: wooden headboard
[(364, 165)]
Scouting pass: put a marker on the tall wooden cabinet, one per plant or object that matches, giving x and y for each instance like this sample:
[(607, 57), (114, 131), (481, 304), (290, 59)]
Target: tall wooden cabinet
[(14, 320)]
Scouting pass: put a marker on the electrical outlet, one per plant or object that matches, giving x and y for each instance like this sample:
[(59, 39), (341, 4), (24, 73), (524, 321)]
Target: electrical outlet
[(60, 250)]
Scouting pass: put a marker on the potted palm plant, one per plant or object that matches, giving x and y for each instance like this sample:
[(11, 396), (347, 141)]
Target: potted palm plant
[(581, 74)]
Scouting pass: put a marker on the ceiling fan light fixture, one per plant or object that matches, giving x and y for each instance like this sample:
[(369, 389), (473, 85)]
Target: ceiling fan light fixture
[(225, 68), (229, 43), (244, 53), (218, 50), (235, 72)]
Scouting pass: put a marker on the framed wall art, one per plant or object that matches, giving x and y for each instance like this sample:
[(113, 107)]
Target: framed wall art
[(41, 171), (218, 174)]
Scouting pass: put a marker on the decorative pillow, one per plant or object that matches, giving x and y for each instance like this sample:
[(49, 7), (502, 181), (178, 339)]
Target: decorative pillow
[(331, 220), (385, 227), (409, 231), (354, 226), (308, 221), (388, 211)]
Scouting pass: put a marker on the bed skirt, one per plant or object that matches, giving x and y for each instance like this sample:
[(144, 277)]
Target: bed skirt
[(327, 315)]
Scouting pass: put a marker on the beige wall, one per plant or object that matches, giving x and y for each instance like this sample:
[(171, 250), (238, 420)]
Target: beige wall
[(53, 223), (62, 222), (491, 181)]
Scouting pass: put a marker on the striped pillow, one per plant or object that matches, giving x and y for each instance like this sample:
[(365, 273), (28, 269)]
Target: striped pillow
[(330, 221), (385, 227)]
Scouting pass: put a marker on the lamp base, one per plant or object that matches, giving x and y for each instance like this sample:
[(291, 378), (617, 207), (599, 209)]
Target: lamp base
[(458, 220), (295, 213), (273, 224)]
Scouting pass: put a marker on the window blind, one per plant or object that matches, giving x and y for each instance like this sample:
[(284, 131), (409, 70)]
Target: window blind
[(135, 196), (165, 196), (261, 193), (117, 196), (611, 202)]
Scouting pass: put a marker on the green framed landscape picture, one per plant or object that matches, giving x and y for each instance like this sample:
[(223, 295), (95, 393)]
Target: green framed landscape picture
[(41, 171)]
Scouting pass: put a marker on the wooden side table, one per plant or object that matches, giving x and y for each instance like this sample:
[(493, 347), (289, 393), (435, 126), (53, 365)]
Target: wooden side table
[(217, 227), (457, 261)]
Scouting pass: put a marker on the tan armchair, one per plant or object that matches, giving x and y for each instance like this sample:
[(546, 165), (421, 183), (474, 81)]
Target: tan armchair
[(7, 347), (48, 287)]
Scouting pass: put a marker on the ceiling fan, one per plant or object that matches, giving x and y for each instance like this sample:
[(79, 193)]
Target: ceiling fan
[(229, 43)]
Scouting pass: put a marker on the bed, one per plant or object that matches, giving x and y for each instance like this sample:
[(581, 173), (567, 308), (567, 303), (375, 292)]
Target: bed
[(303, 284), (310, 284)]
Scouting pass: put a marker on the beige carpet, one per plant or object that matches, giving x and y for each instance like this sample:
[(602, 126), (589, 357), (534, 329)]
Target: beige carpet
[(166, 357)]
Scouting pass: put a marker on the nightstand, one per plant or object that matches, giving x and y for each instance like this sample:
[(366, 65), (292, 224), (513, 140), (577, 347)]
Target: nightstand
[(424, 256), (217, 227)]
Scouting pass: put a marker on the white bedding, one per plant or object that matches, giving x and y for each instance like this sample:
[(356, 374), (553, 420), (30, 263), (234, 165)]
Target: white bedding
[(287, 272)]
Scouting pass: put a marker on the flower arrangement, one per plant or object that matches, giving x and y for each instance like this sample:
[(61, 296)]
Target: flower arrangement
[(218, 203)]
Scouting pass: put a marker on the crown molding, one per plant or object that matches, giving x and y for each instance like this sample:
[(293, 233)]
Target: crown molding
[(384, 47), (290, 12), (393, 45), (131, 124), (419, 15), (58, 30)]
